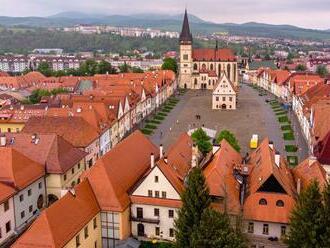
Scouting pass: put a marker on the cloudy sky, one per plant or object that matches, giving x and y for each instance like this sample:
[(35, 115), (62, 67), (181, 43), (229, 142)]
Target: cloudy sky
[(303, 13)]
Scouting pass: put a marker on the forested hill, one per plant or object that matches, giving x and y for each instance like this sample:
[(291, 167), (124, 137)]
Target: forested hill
[(168, 22)]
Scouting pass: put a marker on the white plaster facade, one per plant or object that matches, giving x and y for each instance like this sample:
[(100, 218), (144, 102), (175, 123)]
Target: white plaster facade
[(224, 94), (7, 220)]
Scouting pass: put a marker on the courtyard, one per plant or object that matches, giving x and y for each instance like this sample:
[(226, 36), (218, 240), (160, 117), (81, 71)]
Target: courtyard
[(252, 116)]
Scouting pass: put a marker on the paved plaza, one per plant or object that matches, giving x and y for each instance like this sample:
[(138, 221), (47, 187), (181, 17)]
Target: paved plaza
[(253, 116)]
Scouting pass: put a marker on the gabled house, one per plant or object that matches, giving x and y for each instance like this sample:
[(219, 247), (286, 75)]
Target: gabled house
[(224, 94)]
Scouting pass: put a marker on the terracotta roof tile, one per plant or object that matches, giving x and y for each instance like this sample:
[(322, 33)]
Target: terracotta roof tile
[(209, 54)]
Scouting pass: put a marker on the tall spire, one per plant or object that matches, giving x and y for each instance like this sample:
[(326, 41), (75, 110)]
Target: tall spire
[(185, 35)]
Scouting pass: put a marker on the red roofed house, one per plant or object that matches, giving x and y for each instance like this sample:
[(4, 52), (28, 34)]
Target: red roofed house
[(199, 68)]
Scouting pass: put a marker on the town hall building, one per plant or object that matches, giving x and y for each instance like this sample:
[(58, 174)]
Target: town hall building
[(201, 68)]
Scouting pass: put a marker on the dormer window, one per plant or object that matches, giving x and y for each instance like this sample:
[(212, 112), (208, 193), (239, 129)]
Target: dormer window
[(279, 203), (262, 201)]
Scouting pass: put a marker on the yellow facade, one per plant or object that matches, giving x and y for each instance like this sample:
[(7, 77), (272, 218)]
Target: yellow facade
[(57, 182), (11, 127), (93, 237), (125, 226)]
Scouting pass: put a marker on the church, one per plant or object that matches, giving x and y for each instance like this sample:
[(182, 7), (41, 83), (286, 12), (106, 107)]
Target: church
[(202, 68)]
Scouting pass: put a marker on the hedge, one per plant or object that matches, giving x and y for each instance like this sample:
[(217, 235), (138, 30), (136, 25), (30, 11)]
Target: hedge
[(283, 119), (288, 136), (155, 122), (291, 148), (286, 127), (158, 117), (162, 113), (146, 131), (281, 113), (293, 160), (150, 126)]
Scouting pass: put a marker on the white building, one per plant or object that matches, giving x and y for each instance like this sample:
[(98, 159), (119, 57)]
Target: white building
[(224, 94)]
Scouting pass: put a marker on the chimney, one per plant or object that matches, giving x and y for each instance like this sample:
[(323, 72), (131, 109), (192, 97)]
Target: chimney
[(277, 159), (271, 144), (152, 160), (161, 151), (194, 156), (3, 140), (298, 186)]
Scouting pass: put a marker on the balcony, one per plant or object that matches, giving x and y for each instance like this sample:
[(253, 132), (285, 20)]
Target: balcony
[(146, 220)]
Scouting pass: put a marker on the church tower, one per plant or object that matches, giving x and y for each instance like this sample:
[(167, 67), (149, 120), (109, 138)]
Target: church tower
[(185, 63)]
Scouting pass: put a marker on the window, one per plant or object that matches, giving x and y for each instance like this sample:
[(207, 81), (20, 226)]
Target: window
[(195, 67), (156, 212), (40, 185), (78, 180), (29, 192), (171, 232), (30, 209), (185, 57), (156, 179), (94, 223), (262, 201), (280, 203), (21, 198), (265, 229), (283, 230), (6, 206), (223, 98), (163, 194), (95, 244), (157, 194), (72, 170), (22, 214), (86, 232), (157, 231), (251, 227), (170, 213), (8, 227), (217, 98), (77, 241), (64, 177), (139, 213), (230, 99), (150, 193), (78, 166)]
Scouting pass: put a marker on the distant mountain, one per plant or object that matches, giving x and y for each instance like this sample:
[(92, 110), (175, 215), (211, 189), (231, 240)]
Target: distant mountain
[(167, 22)]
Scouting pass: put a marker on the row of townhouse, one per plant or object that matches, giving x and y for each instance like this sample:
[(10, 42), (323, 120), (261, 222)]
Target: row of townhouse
[(284, 84), (139, 195)]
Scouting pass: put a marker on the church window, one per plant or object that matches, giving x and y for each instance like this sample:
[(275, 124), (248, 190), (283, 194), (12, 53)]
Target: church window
[(209, 81), (185, 57), (228, 71), (219, 69), (203, 66), (195, 67), (211, 67), (235, 68)]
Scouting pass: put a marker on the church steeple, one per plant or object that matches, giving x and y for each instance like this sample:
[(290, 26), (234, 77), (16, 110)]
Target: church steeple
[(185, 35)]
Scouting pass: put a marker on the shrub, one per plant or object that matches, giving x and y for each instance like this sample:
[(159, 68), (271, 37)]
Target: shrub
[(162, 113), (286, 127), (283, 119), (281, 113), (155, 122), (288, 136), (291, 148), (158, 117), (146, 131), (293, 160), (150, 126)]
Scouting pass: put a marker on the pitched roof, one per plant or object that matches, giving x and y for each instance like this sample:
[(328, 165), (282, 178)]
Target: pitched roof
[(59, 223), (18, 170), (156, 201), (5, 192), (322, 150), (73, 129), (118, 170), (220, 179), (185, 34), (51, 150), (209, 54)]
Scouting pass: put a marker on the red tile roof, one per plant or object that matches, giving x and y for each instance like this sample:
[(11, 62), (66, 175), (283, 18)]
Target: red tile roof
[(118, 170), (18, 170), (209, 54), (171, 203), (322, 150), (5, 192), (59, 223)]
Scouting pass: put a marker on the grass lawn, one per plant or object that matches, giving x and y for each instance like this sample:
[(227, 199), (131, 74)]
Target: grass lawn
[(288, 136), (293, 160), (283, 119), (291, 148), (146, 131), (286, 127)]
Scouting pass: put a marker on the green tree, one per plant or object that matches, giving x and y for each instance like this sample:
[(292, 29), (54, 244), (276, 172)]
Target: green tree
[(290, 58), (300, 67), (322, 70), (305, 221), (215, 231), (45, 69), (325, 217), (170, 64), (88, 68), (37, 94), (104, 67), (202, 140), (230, 137), (124, 68), (195, 199)]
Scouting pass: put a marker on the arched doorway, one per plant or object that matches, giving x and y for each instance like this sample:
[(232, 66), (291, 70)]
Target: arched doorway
[(185, 86), (40, 202), (51, 199), (140, 229), (223, 106)]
